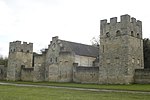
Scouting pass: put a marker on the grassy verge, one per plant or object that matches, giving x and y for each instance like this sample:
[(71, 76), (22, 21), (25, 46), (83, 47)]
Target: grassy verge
[(133, 87), (33, 93)]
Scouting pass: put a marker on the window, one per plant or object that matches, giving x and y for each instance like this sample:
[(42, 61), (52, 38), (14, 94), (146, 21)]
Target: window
[(138, 35), (138, 61), (117, 60), (22, 66), (118, 33), (51, 59), (133, 60), (107, 34), (103, 49), (56, 59), (132, 33)]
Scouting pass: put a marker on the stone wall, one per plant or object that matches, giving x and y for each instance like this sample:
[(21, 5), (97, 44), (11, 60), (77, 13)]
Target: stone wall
[(27, 74), (19, 55), (39, 68), (62, 70), (66, 67), (52, 60), (121, 50), (59, 62), (142, 76), (3, 72), (82, 74), (84, 60)]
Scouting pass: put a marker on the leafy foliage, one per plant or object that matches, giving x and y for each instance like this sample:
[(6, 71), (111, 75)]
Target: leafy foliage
[(95, 41), (3, 61), (146, 50)]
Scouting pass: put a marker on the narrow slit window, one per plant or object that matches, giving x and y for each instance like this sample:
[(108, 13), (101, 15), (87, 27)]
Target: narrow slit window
[(51, 59), (132, 33), (107, 34), (138, 35), (118, 33), (103, 48), (28, 51), (138, 61), (56, 59)]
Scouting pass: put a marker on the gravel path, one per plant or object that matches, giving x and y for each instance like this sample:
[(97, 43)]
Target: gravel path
[(74, 88)]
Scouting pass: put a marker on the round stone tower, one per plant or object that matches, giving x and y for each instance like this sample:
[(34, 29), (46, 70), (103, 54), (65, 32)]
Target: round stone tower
[(121, 50)]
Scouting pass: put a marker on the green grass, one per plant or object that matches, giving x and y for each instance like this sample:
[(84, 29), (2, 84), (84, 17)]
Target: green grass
[(34, 93), (134, 87)]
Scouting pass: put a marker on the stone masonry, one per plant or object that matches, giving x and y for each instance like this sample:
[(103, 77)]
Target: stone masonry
[(118, 59), (20, 55), (121, 50)]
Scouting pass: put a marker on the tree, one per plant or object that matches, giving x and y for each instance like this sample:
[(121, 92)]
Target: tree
[(43, 50), (3, 61), (95, 41), (146, 50)]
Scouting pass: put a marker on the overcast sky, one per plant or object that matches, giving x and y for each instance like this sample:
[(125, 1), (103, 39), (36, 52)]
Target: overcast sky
[(37, 21)]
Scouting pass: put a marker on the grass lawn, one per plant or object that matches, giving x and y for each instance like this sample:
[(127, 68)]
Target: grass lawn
[(134, 87), (34, 93)]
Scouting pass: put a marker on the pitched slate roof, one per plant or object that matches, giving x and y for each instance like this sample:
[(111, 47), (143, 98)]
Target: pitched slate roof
[(82, 49)]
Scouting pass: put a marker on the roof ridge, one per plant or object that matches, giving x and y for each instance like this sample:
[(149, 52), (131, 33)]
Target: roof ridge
[(78, 43), (81, 49)]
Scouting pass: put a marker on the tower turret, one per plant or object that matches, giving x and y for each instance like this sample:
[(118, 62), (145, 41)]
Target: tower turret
[(20, 55), (121, 50)]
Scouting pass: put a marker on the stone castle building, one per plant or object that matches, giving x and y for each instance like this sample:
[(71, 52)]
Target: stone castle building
[(20, 56), (54, 64), (121, 50), (118, 59)]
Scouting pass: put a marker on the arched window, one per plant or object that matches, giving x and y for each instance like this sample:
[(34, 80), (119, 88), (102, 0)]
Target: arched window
[(132, 33), (51, 60), (107, 34), (138, 35), (118, 33)]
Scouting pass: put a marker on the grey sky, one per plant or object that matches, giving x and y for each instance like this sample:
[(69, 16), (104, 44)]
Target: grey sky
[(38, 21)]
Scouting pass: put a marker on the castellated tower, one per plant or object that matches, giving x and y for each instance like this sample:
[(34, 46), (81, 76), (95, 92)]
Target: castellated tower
[(121, 50), (20, 55)]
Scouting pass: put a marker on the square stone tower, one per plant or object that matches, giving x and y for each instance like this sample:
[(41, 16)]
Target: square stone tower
[(121, 50), (20, 55)]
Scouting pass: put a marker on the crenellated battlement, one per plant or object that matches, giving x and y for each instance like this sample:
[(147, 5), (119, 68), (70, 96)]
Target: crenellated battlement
[(123, 19), (18, 46), (127, 25)]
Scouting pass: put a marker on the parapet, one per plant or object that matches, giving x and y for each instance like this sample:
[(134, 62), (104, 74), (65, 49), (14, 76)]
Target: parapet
[(113, 20), (123, 19), (18, 46), (127, 25)]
